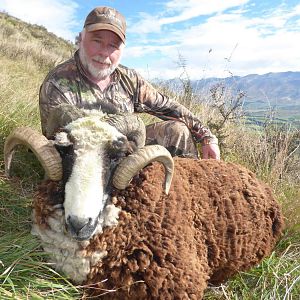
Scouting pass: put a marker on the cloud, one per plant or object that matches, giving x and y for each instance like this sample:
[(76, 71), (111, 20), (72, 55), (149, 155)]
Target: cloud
[(56, 15), (235, 41), (178, 11), (244, 36), (194, 8)]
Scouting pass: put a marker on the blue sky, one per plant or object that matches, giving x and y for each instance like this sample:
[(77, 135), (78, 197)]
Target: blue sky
[(216, 38)]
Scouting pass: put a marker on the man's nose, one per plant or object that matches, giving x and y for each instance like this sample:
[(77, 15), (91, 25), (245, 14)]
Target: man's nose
[(104, 51)]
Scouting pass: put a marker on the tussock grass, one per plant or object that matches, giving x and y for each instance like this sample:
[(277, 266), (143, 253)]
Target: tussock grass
[(19, 94), (31, 43), (24, 272), (26, 275), (27, 53)]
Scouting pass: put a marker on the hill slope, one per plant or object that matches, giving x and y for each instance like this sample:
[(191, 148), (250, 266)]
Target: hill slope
[(27, 53), (21, 40)]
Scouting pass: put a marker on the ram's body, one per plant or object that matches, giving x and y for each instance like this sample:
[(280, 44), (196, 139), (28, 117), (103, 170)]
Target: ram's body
[(141, 242), (218, 219)]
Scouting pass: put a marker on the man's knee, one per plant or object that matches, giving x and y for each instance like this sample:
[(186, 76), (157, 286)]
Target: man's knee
[(167, 130), (173, 135), (179, 128)]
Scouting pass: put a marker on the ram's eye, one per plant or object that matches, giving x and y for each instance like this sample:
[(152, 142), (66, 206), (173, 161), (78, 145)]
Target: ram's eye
[(121, 144), (63, 138), (120, 148), (64, 150)]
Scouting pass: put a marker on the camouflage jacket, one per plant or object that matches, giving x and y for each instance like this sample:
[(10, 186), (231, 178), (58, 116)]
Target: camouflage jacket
[(128, 92)]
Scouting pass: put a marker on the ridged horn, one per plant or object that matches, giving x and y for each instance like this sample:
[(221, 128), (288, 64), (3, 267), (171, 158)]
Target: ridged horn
[(43, 149), (60, 116), (133, 163), (131, 126)]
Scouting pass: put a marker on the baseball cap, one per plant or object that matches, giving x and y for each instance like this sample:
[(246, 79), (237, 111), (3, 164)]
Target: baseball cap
[(108, 18)]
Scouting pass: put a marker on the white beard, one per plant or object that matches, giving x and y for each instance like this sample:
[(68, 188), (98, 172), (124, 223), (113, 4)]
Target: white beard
[(96, 73)]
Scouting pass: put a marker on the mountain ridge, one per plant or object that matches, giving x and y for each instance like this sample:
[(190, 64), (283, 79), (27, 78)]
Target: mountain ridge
[(280, 86), (279, 91)]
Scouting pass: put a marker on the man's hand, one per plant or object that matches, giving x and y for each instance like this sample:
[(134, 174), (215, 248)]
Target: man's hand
[(210, 148), (210, 151)]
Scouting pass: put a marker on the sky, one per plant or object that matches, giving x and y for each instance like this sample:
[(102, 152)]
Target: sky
[(211, 38)]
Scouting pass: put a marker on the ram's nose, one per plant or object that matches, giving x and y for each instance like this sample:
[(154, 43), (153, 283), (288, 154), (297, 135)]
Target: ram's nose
[(80, 228)]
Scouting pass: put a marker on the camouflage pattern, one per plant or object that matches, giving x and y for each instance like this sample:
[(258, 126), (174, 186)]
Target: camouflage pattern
[(174, 135), (128, 92)]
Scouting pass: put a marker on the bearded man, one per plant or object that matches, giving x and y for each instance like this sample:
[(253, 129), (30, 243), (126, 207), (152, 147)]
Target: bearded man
[(94, 77)]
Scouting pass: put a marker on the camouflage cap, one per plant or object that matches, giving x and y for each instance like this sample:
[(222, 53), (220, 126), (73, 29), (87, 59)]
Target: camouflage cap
[(108, 18)]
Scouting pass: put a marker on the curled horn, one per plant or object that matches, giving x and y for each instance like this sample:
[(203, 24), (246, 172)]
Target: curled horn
[(43, 148), (131, 126), (61, 115), (40, 146), (138, 160)]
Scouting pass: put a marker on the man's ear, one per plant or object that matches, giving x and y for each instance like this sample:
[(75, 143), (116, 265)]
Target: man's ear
[(78, 39)]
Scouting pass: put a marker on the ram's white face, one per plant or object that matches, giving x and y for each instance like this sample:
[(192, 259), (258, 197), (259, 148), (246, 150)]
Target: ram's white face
[(92, 149)]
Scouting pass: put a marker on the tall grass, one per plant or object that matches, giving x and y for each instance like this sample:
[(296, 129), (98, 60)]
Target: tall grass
[(27, 53), (31, 43)]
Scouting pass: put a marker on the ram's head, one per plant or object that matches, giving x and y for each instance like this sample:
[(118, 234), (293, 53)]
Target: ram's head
[(90, 154)]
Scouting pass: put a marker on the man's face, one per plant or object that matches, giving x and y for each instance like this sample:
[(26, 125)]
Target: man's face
[(100, 52)]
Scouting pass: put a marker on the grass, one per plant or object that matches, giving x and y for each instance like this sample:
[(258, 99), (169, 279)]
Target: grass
[(24, 271)]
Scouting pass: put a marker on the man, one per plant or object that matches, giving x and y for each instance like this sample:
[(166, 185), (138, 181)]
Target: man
[(94, 76)]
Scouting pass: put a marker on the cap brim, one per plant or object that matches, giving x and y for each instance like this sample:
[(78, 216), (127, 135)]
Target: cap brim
[(95, 27)]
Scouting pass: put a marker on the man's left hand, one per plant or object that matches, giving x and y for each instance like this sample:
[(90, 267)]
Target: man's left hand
[(210, 151)]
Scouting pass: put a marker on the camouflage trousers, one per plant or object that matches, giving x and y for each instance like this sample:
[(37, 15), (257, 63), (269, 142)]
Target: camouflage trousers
[(173, 135)]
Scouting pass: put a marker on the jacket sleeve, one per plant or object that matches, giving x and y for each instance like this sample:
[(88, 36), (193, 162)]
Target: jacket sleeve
[(49, 97), (149, 100)]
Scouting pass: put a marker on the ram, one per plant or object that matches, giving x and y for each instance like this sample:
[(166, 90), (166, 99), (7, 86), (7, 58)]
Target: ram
[(136, 223)]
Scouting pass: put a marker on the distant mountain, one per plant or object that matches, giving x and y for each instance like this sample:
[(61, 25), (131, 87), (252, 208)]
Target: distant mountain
[(279, 91)]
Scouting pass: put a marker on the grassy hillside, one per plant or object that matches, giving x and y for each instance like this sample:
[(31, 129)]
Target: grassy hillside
[(28, 52)]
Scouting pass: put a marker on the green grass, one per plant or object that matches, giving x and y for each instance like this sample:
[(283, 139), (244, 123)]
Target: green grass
[(24, 271), (24, 61)]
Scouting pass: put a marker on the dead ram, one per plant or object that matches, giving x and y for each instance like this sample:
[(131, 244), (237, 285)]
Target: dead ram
[(141, 238)]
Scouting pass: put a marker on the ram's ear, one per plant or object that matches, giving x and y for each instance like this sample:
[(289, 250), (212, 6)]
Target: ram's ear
[(131, 126), (65, 147)]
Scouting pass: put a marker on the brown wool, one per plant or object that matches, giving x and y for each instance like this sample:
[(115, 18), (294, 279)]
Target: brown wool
[(218, 219)]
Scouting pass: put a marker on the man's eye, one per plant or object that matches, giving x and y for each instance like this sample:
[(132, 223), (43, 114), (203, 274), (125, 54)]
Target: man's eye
[(113, 46)]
